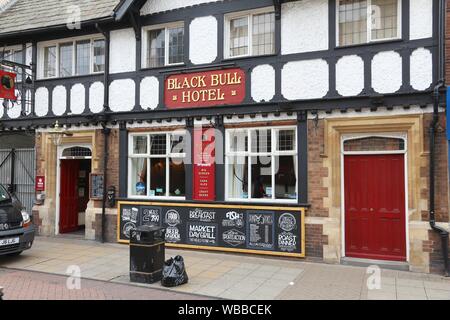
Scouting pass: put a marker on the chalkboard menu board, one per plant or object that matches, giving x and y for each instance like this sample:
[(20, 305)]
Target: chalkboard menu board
[(96, 186), (261, 230)]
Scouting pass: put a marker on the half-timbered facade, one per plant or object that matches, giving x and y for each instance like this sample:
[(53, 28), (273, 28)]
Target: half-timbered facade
[(317, 114)]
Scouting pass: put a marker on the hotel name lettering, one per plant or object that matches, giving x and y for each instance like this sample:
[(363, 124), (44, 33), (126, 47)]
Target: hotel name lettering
[(205, 89)]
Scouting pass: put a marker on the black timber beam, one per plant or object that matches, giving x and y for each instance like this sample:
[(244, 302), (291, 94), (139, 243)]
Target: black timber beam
[(327, 104), (126, 6)]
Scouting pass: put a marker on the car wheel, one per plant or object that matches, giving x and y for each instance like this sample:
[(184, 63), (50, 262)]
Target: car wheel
[(15, 254)]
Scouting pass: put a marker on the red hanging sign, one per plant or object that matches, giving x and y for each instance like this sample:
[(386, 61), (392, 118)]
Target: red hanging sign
[(7, 85), (40, 183), (205, 89), (204, 165)]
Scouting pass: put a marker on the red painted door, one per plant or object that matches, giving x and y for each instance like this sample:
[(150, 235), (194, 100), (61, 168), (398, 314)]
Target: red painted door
[(375, 207), (68, 218)]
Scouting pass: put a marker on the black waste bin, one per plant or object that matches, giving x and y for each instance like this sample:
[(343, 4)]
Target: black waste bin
[(147, 254)]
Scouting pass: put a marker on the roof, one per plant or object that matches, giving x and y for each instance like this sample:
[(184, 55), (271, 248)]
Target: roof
[(27, 15)]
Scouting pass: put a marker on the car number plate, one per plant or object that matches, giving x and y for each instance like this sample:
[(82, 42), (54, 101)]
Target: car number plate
[(7, 242)]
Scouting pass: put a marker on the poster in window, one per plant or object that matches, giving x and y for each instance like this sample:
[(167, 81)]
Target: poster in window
[(96, 186), (204, 165)]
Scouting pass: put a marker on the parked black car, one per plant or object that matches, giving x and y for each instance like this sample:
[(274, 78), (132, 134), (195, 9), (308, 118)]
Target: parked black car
[(16, 228)]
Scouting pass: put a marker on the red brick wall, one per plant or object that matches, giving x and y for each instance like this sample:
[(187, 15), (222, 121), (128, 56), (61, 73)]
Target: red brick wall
[(315, 240), (110, 228), (441, 167), (316, 171), (113, 159), (433, 246), (112, 180)]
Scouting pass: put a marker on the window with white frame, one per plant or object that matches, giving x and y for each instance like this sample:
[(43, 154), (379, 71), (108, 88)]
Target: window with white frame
[(156, 165), (164, 45), (261, 164), (14, 54), (72, 57), (250, 34), (363, 21)]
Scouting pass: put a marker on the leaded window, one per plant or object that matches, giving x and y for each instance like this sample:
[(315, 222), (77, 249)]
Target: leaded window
[(50, 62), (165, 46), (75, 57), (362, 21), (250, 34), (65, 59), (83, 56), (99, 56)]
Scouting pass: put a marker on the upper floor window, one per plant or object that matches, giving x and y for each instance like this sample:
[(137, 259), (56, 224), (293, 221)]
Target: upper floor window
[(14, 54), (250, 33), (363, 21), (74, 57), (164, 45)]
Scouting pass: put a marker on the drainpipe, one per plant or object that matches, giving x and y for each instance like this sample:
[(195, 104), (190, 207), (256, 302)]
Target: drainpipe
[(105, 130), (444, 234)]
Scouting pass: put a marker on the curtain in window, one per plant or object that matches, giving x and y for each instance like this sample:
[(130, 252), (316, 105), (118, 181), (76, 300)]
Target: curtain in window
[(50, 62), (296, 172), (139, 176), (156, 51), (238, 169), (176, 45)]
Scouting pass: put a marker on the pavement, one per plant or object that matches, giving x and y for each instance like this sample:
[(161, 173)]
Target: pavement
[(32, 285), (232, 276)]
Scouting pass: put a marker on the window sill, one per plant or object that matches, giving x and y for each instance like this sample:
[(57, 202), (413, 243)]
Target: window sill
[(147, 198), (168, 67), (264, 201), (71, 77), (368, 44), (249, 57)]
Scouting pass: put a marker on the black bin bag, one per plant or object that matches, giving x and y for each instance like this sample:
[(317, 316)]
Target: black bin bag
[(174, 272)]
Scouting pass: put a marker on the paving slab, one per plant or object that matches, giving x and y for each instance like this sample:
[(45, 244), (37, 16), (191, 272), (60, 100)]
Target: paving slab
[(29, 285), (435, 294), (231, 276)]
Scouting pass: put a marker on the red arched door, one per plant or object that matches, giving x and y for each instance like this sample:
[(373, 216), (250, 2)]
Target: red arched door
[(68, 217), (375, 207)]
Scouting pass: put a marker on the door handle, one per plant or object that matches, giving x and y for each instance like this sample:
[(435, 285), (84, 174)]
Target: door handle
[(371, 210)]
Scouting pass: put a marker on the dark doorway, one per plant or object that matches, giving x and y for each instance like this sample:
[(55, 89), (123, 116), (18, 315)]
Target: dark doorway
[(74, 194)]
